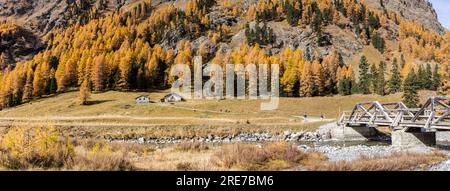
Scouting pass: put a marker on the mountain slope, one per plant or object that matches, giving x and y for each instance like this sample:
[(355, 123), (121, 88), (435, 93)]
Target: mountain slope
[(136, 45), (42, 16)]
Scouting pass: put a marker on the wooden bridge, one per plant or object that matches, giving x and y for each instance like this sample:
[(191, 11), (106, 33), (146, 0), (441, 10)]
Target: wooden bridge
[(434, 115)]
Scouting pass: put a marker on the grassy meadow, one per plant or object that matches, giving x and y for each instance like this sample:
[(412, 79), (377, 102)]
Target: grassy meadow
[(67, 136)]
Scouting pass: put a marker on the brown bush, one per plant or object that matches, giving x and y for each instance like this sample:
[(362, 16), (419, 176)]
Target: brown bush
[(44, 147), (35, 147), (185, 166), (191, 146), (130, 148), (272, 156), (102, 160), (395, 162)]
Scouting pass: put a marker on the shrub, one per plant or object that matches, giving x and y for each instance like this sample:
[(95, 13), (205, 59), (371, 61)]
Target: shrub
[(185, 166), (272, 156), (102, 160), (44, 147), (35, 147), (191, 146)]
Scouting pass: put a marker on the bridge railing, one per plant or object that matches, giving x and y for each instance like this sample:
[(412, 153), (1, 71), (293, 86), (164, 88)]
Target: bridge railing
[(434, 114)]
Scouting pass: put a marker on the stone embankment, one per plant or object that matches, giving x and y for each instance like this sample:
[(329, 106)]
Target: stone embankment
[(324, 133), (243, 137)]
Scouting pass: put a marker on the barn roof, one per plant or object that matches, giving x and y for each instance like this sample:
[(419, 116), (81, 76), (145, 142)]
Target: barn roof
[(141, 96), (173, 95)]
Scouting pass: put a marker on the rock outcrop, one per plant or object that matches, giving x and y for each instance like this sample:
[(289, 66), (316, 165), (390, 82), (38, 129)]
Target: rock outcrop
[(421, 11)]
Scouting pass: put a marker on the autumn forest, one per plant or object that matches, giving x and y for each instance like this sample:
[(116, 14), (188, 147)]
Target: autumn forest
[(135, 47)]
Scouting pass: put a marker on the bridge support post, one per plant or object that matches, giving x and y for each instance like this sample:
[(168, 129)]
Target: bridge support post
[(353, 133), (413, 139)]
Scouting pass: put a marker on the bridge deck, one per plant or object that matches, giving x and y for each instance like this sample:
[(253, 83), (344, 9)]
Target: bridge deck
[(433, 115)]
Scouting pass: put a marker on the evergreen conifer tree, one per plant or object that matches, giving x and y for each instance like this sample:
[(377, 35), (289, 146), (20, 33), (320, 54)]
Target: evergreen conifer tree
[(410, 95), (381, 79), (394, 81), (364, 78)]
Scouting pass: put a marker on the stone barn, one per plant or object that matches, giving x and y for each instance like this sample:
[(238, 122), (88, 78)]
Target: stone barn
[(142, 99), (173, 97)]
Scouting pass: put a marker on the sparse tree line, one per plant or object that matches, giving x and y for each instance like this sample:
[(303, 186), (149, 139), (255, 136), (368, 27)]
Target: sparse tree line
[(317, 14), (373, 79), (259, 35), (415, 40)]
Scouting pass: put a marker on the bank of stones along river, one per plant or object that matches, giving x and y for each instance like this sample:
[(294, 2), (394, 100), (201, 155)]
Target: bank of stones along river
[(243, 137)]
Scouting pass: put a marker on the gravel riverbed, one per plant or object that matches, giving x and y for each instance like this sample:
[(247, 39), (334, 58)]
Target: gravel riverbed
[(320, 141), (337, 153), (349, 153)]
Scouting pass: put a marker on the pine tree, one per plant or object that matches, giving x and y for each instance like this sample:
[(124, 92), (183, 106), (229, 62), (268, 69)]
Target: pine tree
[(293, 14), (364, 77), (410, 95), (259, 35), (341, 85), (5, 93), (38, 82), (428, 77), (84, 93), (344, 86), (290, 78), (394, 82), (317, 22), (436, 78), (374, 21), (308, 54), (60, 78), (28, 90), (124, 68), (51, 81), (98, 76), (340, 60), (382, 4), (381, 79), (444, 86), (307, 81), (378, 42), (402, 61), (421, 78), (318, 79), (373, 79), (330, 65)]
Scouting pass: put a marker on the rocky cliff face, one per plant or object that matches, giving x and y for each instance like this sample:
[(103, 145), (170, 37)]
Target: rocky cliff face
[(17, 44), (41, 16), (36, 18), (421, 11)]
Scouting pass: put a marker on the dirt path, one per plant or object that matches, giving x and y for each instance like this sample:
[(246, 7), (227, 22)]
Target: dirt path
[(200, 110), (137, 121)]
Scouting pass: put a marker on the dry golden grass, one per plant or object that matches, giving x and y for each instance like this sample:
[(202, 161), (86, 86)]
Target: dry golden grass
[(395, 162), (35, 147), (100, 158), (43, 147), (191, 146), (122, 104), (272, 156), (29, 148), (115, 115), (171, 159)]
